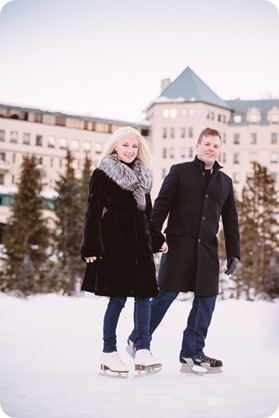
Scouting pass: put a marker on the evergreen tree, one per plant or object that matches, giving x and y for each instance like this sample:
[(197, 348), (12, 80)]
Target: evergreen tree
[(259, 236), (86, 175), (67, 235), (26, 236)]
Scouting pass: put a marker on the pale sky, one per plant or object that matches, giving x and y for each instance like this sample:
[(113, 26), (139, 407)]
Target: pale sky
[(107, 58)]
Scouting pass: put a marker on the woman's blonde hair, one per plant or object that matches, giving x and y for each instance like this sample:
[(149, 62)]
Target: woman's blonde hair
[(144, 154)]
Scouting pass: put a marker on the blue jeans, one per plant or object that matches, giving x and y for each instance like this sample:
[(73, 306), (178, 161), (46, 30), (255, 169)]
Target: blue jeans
[(142, 309), (199, 319)]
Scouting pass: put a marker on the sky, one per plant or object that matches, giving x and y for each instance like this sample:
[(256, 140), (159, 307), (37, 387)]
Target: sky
[(107, 58), (50, 362)]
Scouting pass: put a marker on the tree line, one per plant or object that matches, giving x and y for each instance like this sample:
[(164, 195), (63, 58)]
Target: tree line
[(42, 255)]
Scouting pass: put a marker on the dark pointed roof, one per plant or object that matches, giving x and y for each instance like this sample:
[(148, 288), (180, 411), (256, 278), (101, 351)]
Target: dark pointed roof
[(189, 87)]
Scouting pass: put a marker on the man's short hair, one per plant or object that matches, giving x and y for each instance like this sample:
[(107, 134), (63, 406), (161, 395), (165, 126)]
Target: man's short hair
[(209, 132)]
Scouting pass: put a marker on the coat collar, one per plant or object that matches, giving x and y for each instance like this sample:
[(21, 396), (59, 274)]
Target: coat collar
[(201, 164), (137, 179)]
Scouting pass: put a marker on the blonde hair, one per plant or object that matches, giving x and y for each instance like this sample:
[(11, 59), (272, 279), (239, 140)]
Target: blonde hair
[(144, 154)]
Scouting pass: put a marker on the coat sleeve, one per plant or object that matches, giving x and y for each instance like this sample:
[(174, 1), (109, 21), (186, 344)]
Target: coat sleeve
[(231, 226), (92, 244), (165, 198), (157, 238)]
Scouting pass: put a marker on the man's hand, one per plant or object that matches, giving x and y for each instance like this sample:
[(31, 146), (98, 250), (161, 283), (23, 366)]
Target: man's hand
[(231, 265)]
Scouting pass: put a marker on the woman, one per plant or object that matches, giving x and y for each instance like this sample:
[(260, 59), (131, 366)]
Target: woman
[(119, 241)]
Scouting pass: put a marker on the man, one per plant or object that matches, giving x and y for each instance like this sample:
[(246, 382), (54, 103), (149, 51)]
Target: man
[(194, 196)]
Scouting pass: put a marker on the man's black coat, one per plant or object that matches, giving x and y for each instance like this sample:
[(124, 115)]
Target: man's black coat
[(195, 204)]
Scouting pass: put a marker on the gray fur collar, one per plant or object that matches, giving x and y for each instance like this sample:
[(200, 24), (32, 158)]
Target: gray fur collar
[(138, 179)]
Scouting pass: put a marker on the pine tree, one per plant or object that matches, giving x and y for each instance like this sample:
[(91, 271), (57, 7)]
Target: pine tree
[(67, 236), (26, 236), (86, 174), (259, 236)]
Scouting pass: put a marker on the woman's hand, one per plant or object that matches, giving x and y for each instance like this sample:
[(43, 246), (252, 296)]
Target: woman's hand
[(165, 248), (90, 259)]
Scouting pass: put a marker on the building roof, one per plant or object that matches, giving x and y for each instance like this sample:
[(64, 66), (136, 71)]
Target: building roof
[(241, 107), (188, 87)]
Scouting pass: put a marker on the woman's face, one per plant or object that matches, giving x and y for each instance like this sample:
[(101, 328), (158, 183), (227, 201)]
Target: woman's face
[(127, 148)]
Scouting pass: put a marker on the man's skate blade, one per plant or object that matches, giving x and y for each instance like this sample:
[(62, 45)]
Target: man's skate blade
[(189, 369), (117, 375), (148, 371)]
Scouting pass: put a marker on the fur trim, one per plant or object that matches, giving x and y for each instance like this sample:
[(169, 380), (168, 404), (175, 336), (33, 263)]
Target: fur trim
[(137, 179)]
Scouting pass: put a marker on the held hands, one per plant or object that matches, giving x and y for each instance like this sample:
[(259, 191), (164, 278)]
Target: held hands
[(231, 265), (165, 248), (90, 259)]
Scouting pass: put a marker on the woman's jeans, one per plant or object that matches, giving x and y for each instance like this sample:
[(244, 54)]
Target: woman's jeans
[(199, 319), (142, 309)]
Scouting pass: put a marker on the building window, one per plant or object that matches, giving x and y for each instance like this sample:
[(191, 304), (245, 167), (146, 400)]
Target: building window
[(274, 157), (39, 161), (191, 152), (60, 121), (51, 142), (191, 132), (253, 138), (172, 132), (183, 152), (14, 137), (236, 139), (237, 118), (236, 158), (172, 152), (26, 139), (253, 157), (253, 118), (183, 113), (2, 156), (182, 132), (98, 148), (164, 152), (274, 118), (87, 146), (75, 144), (164, 172), (102, 127), (236, 177), (165, 113), (173, 113), (2, 135), (1, 179), (39, 141), (164, 133), (62, 143), (274, 177), (274, 137)]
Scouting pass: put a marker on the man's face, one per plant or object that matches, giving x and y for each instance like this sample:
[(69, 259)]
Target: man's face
[(209, 150)]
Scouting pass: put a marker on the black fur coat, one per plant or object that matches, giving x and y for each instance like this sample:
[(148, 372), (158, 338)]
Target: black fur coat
[(117, 229)]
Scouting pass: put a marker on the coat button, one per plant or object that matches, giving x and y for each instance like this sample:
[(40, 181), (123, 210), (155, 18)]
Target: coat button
[(206, 195), (199, 240), (203, 173), (203, 218)]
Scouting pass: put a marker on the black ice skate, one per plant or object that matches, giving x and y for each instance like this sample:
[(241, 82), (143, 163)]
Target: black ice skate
[(200, 365)]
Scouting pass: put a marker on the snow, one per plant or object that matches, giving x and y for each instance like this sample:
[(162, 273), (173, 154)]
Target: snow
[(51, 348)]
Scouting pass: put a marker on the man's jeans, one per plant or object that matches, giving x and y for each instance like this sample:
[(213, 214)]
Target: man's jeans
[(198, 321), (142, 310)]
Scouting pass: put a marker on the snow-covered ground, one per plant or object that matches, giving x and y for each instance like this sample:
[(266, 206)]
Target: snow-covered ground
[(50, 348)]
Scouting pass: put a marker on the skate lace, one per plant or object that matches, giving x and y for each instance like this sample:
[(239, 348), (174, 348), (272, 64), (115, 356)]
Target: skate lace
[(211, 361)]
